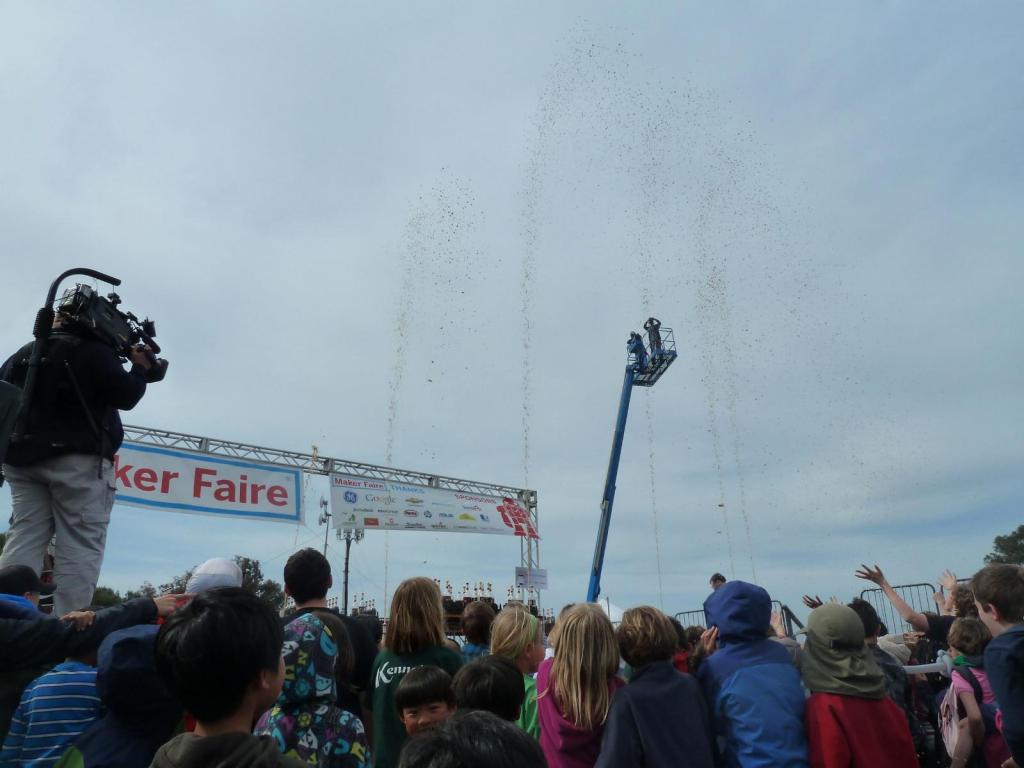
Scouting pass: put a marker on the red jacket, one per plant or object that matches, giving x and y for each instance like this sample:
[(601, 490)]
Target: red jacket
[(851, 732), (681, 661)]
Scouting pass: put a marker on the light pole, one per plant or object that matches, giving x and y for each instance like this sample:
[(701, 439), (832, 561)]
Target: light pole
[(325, 519), (348, 535)]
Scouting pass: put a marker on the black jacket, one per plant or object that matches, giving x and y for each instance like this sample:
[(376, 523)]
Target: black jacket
[(59, 423), (32, 646), (1004, 663), (659, 719)]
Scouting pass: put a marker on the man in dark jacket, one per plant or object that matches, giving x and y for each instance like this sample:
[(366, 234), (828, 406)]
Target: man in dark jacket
[(750, 683), (60, 464), (33, 643), (660, 718)]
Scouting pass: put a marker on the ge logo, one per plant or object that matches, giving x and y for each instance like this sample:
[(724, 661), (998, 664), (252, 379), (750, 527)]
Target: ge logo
[(351, 497)]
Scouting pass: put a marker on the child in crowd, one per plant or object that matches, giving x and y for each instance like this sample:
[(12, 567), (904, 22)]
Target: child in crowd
[(140, 713), (897, 687), (473, 739), (518, 636), (576, 686), (307, 577), (491, 683), (999, 596), (661, 715), (306, 721), (681, 657), (54, 709), (750, 683), (851, 723), (213, 573), (220, 656), (415, 637), (424, 698), (967, 640), (477, 618)]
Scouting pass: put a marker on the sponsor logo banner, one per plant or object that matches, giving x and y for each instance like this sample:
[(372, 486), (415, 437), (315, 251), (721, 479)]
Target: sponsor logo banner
[(201, 483), (356, 501)]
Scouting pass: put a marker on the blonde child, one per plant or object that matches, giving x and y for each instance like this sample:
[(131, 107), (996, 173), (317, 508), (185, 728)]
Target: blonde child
[(517, 635), (415, 638), (575, 687)]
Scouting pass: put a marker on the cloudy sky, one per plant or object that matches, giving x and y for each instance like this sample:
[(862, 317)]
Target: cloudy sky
[(423, 232)]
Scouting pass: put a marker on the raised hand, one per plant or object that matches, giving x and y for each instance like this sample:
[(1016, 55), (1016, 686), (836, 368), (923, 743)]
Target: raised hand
[(709, 640), (812, 602), (166, 604), (948, 580), (82, 619), (778, 624), (868, 573)]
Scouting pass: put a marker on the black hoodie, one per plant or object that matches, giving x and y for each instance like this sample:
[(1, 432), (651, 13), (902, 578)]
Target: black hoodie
[(241, 750)]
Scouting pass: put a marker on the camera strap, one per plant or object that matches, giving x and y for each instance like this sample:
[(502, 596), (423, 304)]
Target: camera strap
[(88, 415)]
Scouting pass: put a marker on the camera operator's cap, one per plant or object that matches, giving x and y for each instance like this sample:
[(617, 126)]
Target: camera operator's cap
[(19, 579)]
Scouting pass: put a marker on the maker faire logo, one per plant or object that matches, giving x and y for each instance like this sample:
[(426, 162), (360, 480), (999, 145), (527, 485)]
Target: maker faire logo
[(517, 518)]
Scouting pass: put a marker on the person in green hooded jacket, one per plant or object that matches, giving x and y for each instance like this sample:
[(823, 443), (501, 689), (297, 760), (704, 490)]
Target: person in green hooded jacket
[(850, 721)]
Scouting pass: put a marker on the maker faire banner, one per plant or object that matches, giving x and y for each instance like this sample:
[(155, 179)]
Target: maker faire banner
[(362, 502), (200, 483)]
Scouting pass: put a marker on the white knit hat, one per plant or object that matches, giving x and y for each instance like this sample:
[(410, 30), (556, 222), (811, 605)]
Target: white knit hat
[(215, 572)]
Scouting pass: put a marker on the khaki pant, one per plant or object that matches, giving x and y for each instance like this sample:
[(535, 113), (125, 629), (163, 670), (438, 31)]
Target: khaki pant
[(64, 496)]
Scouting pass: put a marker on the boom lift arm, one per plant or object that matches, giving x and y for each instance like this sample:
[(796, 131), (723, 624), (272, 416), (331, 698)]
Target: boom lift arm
[(645, 364)]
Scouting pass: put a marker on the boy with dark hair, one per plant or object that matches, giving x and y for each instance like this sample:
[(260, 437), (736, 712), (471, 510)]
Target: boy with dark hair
[(491, 683), (999, 595), (472, 739), (307, 577), (220, 656), (425, 698)]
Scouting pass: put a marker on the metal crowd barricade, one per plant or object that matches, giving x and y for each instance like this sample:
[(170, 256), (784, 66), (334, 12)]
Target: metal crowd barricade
[(699, 618), (918, 596), (692, 618)]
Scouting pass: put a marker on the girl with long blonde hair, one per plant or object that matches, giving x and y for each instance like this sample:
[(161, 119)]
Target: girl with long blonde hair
[(518, 635), (414, 638), (575, 687)]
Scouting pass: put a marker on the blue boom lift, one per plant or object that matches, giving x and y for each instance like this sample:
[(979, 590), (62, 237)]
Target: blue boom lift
[(645, 364)]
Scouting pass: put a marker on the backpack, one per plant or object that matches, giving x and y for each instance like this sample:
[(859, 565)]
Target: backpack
[(10, 400), (988, 711), (951, 712)]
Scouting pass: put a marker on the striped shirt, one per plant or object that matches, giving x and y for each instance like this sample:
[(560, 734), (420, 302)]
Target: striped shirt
[(54, 710)]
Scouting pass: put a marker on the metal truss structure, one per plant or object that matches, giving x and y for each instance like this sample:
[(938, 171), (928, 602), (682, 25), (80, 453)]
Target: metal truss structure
[(315, 464)]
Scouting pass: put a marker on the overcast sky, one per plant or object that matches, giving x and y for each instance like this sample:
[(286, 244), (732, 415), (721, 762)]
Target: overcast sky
[(409, 230)]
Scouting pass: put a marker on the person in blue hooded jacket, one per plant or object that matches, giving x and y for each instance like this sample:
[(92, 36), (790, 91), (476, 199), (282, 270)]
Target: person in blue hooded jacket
[(141, 714), (751, 685)]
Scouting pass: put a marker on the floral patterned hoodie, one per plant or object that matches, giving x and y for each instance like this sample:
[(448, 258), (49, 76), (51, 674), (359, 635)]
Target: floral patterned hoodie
[(306, 721)]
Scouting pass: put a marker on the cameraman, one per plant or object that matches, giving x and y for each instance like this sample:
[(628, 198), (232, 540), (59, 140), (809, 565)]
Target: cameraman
[(61, 468)]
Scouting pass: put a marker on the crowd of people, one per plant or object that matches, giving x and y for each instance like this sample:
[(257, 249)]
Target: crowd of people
[(216, 677)]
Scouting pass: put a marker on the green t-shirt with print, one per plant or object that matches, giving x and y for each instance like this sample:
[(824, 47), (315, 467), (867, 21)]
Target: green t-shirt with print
[(388, 671)]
